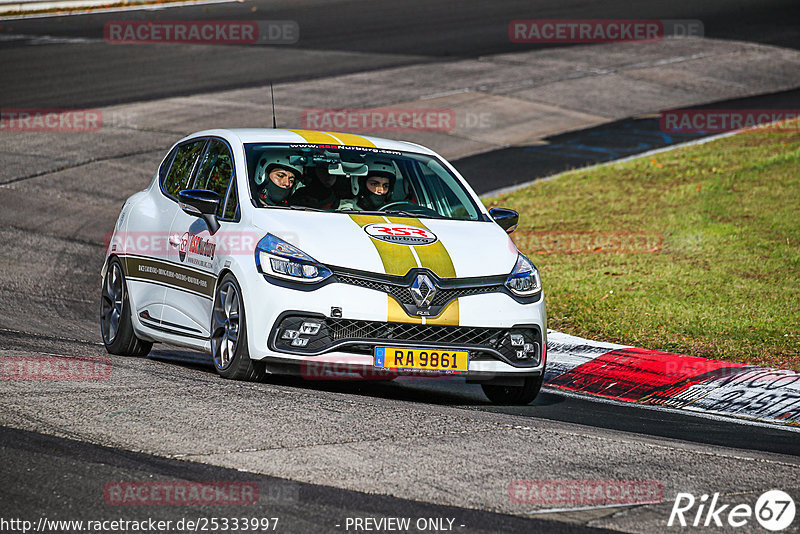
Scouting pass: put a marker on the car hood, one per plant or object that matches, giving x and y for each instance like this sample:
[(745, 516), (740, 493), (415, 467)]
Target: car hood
[(452, 248)]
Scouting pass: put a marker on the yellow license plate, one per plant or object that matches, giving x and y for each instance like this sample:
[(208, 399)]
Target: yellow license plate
[(443, 360)]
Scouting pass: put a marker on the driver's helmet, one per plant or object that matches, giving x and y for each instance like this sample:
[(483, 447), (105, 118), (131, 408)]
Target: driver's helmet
[(380, 167), (271, 193), (270, 160)]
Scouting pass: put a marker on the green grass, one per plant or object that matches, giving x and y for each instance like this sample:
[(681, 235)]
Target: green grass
[(695, 251)]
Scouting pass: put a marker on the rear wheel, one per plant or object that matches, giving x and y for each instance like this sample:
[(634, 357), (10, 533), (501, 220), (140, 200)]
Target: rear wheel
[(520, 395), (115, 316), (229, 334)]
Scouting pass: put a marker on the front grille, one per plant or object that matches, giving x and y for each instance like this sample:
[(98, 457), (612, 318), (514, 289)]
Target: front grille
[(402, 293), (443, 296), (357, 336), (418, 333)]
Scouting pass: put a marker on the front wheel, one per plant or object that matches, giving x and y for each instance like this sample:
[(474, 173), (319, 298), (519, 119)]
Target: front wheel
[(518, 395), (229, 334), (115, 316)]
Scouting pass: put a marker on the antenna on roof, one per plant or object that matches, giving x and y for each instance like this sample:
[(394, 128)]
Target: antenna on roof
[(272, 95)]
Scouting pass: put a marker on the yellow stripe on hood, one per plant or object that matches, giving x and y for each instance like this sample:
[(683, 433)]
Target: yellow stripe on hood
[(434, 256), (398, 260)]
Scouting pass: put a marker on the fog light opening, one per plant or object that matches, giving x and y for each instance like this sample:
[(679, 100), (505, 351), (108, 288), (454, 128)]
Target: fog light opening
[(310, 329), (300, 342), (290, 334)]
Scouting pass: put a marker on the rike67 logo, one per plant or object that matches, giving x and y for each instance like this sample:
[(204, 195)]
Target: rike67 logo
[(774, 510)]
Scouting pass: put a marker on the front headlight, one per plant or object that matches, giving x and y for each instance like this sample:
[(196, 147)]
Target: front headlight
[(524, 279), (275, 257)]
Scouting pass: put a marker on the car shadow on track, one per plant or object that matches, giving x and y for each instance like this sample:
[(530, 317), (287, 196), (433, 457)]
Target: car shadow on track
[(437, 390)]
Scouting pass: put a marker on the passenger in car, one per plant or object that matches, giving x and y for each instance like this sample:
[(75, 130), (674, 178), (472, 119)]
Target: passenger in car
[(320, 193), (278, 177), (374, 189)]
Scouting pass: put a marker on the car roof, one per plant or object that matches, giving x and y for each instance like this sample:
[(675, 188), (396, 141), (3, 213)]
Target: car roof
[(272, 135)]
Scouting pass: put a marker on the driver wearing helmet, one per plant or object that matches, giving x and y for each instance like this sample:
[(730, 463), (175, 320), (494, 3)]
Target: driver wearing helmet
[(374, 189), (276, 177)]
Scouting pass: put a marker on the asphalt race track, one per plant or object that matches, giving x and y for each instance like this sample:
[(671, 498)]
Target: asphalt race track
[(336, 37), (319, 453)]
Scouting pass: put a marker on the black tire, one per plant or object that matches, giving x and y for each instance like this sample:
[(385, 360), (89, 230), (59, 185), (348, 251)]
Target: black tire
[(115, 315), (517, 395), (231, 355)]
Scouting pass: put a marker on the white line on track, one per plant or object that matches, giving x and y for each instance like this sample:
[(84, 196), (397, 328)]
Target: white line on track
[(584, 508)]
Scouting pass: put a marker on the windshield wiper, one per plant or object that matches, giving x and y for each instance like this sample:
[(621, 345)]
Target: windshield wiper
[(415, 215), (299, 208), (394, 212)]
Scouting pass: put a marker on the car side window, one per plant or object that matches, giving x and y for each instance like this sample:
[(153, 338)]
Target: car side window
[(232, 207), (216, 171), (182, 165), (162, 171)]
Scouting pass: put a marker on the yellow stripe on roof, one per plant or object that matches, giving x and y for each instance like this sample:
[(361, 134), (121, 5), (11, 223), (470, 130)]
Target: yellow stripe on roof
[(312, 136), (352, 140)]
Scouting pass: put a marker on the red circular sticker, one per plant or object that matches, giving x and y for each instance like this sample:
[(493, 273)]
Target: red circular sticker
[(400, 234)]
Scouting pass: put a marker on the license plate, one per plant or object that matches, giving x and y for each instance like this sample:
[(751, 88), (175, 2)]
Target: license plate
[(447, 361)]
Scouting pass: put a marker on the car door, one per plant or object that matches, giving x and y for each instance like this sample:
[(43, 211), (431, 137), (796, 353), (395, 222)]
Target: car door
[(195, 253), (146, 246)]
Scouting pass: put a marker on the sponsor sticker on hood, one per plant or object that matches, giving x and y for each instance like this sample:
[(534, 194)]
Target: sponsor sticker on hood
[(400, 234)]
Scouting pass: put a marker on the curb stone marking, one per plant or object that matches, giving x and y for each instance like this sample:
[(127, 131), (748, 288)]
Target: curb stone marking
[(656, 378)]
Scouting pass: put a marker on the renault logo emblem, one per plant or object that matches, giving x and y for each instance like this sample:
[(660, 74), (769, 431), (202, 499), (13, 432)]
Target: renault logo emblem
[(423, 290)]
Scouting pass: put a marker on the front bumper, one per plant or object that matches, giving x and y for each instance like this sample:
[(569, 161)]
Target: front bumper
[(311, 335), (354, 320)]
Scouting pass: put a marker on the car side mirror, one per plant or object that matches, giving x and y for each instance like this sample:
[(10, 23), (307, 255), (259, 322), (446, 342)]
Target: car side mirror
[(505, 218), (201, 203)]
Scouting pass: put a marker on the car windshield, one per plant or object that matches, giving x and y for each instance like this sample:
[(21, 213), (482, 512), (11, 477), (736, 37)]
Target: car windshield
[(349, 179)]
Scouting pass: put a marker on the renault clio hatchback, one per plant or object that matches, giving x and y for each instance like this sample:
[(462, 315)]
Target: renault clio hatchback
[(272, 250)]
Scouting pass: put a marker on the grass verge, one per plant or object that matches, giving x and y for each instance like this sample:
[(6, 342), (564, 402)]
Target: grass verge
[(695, 250)]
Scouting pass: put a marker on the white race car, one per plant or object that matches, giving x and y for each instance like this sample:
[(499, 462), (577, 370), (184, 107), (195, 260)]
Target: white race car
[(294, 250)]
